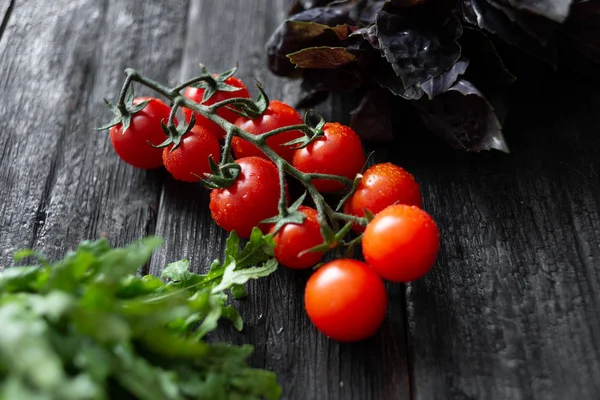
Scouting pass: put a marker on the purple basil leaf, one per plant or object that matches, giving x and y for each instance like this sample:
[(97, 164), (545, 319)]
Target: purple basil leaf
[(483, 14), (407, 3), (441, 83), (371, 120), (418, 43), (384, 75), (540, 28), (296, 34), (321, 57), (311, 99), (369, 11), (369, 34), (554, 10), (463, 118), (485, 62), (348, 77), (581, 33)]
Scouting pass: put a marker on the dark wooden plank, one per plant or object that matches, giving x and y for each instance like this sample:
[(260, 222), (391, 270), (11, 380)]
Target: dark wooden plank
[(62, 181), (221, 34), (511, 309), (6, 7)]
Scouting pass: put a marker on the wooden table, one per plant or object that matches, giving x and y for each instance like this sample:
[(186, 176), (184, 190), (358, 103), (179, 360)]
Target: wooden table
[(512, 308)]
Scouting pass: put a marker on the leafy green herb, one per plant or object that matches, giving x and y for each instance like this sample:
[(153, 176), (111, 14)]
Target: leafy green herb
[(89, 327)]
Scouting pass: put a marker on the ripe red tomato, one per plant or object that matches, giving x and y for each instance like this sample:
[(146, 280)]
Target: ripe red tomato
[(254, 196), (191, 156), (382, 185), (132, 145), (196, 94), (401, 243), (277, 115), (346, 300), (293, 239), (338, 152)]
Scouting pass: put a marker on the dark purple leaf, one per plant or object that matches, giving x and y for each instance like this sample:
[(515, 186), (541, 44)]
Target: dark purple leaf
[(371, 120), (485, 62), (297, 33), (384, 75), (321, 57), (407, 3), (311, 99), (348, 77), (483, 14), (369, 34), (441, 83), (581, 33), (417, 43), (540, 28), (555, 10), (369, 11), (463, 118)]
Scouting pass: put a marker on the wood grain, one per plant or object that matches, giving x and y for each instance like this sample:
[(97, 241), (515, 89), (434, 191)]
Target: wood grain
[(309, 366), (510, 311), (63, 183)]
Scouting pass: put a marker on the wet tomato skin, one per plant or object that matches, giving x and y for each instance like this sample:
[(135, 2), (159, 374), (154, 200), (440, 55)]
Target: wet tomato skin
[(401, 243), (253, 197), (292, 240), (346, 300), (132, 146), (338, 152), (277, 115), (196, 94), (381, 186), (189, 161)]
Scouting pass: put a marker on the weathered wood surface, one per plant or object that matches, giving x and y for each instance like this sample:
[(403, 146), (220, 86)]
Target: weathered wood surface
[(511, 309)]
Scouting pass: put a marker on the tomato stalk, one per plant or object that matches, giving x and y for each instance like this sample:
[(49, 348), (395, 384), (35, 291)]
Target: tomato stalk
[(329, 218)]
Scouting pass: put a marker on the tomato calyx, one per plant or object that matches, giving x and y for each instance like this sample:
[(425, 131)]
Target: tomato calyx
[(331, 238), (175, 133), (287, 215), (123, 111), (252, 109), (213, 84), (314, 130), (222, 175)]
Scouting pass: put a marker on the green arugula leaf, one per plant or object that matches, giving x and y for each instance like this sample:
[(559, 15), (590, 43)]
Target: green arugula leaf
[(89, 327)]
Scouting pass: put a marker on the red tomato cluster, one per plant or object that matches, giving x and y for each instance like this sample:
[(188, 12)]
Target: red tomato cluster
[(400, 243)]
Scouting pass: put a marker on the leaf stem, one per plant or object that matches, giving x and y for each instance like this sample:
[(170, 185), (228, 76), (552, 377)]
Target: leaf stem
[(327, 215)]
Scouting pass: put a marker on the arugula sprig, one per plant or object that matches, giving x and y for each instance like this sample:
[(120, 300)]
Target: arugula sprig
[(89, 327)]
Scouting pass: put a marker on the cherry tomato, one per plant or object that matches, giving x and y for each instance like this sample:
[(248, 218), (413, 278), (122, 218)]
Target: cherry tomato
[(196, 94), (132, 145), (346, 300), (293, 239), (190, 158), (382, 185), (254, 196), (338, 152), (277, 115), (401, 243)]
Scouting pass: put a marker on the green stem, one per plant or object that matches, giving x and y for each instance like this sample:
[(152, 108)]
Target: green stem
[(339, 178), (236, 100), (227, 146), (190, 82), (282, 195), (326, 213), (347, 217), (264, 136), (123, 94), (174, 108), (133, 75)]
